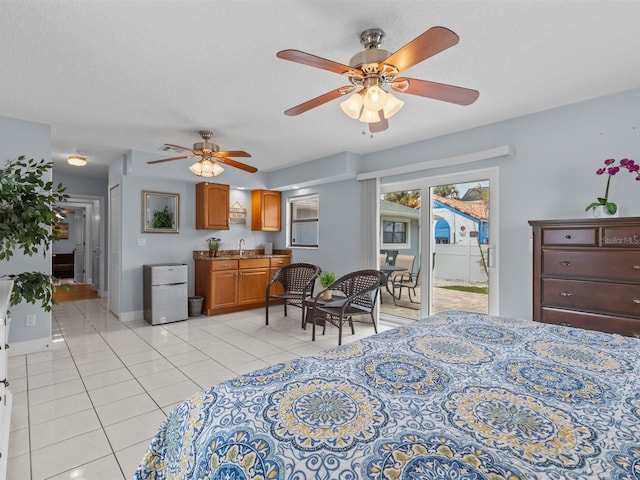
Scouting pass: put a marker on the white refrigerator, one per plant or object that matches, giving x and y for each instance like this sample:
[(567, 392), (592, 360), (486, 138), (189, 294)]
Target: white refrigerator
[(165, 293)]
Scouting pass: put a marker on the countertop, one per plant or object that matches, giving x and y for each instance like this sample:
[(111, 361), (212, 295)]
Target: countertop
[(235, 254)]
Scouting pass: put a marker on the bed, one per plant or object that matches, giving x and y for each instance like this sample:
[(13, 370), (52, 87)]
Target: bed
[(454, 396)]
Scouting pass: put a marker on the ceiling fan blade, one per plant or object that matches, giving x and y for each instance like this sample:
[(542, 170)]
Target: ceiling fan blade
[(236, 164), (431, 42), (381, 125), (171, 159), (316, 102), (315, 61), (437, 91), (232, 153), (178, 146)]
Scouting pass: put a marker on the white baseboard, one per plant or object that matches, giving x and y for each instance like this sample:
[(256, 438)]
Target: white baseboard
[(29, 346)]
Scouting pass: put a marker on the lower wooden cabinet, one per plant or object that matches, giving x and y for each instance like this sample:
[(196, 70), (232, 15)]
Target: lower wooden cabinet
[(229, 285)]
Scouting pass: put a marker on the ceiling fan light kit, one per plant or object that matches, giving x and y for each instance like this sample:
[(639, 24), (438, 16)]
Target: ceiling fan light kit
[(372, 74), (210, 157), (206, 168)]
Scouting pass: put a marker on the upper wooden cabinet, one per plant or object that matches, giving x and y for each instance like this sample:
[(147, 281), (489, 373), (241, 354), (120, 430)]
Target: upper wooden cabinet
[(212, 206), (265, 210)]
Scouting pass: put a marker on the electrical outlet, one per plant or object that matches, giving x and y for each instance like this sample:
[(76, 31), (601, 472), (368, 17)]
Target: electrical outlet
[(31, 320)]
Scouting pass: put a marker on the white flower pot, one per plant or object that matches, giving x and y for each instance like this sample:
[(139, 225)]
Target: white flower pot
[(601, 211)]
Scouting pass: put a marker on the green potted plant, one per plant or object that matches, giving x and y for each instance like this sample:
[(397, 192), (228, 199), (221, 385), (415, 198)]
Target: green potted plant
[(28, 216), (326, 279), (214, 246)]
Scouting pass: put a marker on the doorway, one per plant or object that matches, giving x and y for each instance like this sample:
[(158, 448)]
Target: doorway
[(82, 243), (456, 253)]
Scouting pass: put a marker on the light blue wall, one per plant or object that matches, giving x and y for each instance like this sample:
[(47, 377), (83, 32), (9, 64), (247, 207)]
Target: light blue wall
[(135, 176), (551, 174), (33, 140)]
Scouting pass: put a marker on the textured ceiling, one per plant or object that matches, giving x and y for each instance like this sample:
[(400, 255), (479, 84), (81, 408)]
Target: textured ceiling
[(117, 75)]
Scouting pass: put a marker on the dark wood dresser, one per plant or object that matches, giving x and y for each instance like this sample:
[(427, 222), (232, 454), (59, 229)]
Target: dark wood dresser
[(586, 273)]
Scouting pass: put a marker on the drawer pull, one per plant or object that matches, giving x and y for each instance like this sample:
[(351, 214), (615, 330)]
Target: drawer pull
[(636, 300), (636, 267), (566, 294), (567, 236), (565, 264), (566, 324)]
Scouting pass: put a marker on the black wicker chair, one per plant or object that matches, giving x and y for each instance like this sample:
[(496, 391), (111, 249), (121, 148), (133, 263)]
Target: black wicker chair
[(292, 283), (356, 296)]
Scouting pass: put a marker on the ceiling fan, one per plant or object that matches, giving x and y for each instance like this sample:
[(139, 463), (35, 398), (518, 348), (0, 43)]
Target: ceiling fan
[(373, 71), (211, 157)]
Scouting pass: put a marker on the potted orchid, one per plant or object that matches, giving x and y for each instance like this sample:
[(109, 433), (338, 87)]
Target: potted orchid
[(611, 168)]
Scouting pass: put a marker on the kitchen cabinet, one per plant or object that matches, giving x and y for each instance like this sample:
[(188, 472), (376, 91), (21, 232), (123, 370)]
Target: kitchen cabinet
[(276, 263), (229, 285), (253, 278), (217, 282), (212, 206), (266, 208), (586, 274)]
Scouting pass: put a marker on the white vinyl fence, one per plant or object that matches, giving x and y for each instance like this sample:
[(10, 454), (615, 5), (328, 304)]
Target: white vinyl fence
[(459, 263)]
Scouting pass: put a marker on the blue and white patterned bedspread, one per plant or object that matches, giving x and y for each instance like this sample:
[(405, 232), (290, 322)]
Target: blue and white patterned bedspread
[(456, 396)]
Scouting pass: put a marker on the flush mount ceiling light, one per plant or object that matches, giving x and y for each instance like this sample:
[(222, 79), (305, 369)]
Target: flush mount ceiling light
[(372, 74), (77, 160)]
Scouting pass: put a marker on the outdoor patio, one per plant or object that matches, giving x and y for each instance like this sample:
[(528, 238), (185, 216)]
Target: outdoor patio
[(444, 299)]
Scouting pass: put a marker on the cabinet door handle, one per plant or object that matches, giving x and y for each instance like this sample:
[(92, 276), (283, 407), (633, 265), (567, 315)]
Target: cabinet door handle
[(565, 294), (565, 264), (567, 236), (565, 324)]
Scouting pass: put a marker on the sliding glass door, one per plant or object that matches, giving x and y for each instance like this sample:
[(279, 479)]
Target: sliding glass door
[(438, 239)]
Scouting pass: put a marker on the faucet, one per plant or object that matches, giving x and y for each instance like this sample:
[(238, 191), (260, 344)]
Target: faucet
[(241, 245)]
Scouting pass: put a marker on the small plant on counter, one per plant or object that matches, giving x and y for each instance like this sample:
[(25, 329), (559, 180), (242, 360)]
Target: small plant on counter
[(214, 245)]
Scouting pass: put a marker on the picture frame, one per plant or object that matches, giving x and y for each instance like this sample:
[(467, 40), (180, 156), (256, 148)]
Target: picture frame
[(160, 212)]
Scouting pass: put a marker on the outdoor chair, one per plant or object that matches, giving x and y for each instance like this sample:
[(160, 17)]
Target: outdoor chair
[(406, 280), (292, 284), (404, 261), (392, 255), (355, 295)]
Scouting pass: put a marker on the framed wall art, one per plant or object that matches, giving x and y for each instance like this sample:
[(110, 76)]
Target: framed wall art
[(160, 212)]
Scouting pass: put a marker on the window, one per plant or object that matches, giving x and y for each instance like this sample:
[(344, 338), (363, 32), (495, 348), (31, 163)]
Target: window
[(395, 233), (303, 221)]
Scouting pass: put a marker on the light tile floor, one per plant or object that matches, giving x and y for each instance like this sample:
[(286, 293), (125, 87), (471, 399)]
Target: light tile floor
[(88, 407)]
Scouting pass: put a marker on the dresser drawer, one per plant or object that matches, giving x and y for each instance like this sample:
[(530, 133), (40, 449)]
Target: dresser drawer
[(625, 237), (592, 321), (600, 297), (606, 264), (569, 236)]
